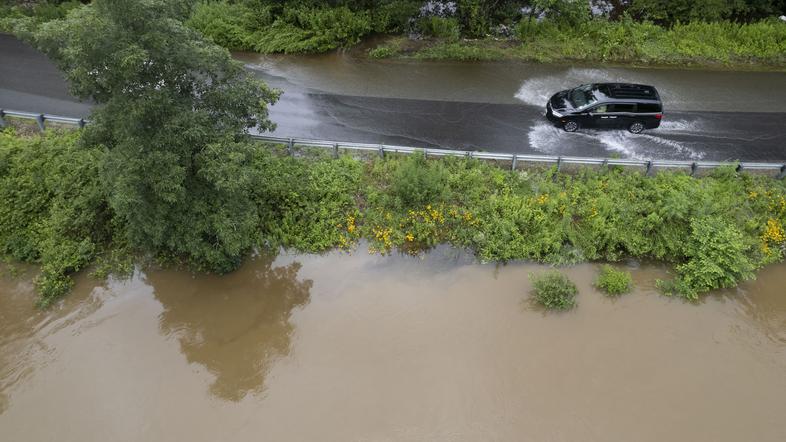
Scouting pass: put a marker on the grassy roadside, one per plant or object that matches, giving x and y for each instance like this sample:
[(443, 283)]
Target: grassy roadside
[(300, 29), (719, 45), (716, 231)]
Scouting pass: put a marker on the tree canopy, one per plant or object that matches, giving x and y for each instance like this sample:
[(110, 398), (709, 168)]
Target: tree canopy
[(173, 107)]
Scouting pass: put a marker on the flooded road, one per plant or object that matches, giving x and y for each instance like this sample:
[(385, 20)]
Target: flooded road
[(709, 115), (367, 348)]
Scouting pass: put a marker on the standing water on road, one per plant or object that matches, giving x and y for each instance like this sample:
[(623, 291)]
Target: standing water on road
[(367, 348), (498, 106)]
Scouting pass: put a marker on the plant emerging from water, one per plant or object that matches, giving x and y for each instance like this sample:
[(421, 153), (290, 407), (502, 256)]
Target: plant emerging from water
[(553, 290), (614, 282)]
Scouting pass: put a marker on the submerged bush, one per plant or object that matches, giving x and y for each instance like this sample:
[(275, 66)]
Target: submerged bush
[(553, 290), (381, 52), (614, 282)]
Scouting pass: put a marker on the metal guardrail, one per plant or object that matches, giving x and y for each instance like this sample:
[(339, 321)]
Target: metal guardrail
[(514, 159)]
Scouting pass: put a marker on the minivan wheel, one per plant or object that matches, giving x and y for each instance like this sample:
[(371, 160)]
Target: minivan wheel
[(570, 126), (636, 127)]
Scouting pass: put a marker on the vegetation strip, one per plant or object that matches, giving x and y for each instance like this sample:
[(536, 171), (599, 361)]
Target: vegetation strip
[(671, 32), (715, 230)]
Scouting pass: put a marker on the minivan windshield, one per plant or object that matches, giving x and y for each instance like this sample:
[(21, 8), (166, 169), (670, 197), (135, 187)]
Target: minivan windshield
[(584, 95)]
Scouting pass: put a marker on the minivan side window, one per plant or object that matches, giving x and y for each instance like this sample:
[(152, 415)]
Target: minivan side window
[(645, 108), (602, 109), (623, 107)]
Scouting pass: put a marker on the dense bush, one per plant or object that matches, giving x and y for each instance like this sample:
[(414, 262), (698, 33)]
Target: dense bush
[(718, 256), (614, 282), (417, 182), (291, 30), (226, 24), (53, 208), (553, 290)]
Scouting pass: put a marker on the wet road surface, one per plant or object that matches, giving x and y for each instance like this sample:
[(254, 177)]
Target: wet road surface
[(710, 115)]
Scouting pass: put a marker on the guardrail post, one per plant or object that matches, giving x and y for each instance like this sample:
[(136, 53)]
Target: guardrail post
[(40, 120), (2, 120), (783, 172), (515, 160), (739, 168), (291, 147), (649, 168), (81, 123), (559, 163), (425, 152), (335, 150), (381, 151), (693, 168)]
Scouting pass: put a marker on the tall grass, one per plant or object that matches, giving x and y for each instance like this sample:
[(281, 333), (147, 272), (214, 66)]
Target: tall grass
[(626, 40)]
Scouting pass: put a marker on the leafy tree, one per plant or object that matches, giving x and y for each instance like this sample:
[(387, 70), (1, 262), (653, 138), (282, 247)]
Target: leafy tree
[(172, 108)]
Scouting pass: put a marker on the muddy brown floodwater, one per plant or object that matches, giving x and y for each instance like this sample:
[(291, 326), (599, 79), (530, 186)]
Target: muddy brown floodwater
[(367, 348)]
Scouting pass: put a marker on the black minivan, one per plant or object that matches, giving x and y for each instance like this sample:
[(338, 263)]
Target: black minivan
[(606, 105)]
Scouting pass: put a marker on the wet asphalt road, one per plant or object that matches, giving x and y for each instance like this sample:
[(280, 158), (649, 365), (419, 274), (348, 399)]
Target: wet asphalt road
[(493, 107)]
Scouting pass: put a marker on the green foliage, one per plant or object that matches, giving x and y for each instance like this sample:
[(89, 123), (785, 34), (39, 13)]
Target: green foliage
[(226, 24), (26, 16), (53, 207), (627, 40), (393, 15), (266, 29), (440, 27), (474, 17), (172, 105), (553, 290), (614, 282), (718, 256), (381, 52), (417, 181), (301, 202)]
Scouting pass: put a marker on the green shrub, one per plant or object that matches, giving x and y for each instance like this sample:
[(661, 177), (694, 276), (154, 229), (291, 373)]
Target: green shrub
[(305, 29), (53, 208), (440, 27), (394, 16), (614, 282), (418, 182), (227, 24), (473, 18), (381, 52), (718, 256), (553, 290)]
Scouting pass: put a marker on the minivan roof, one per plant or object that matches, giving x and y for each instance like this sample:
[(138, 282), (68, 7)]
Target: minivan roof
[(628, 91)]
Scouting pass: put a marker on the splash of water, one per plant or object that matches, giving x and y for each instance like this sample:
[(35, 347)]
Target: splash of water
[(535, 91)]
